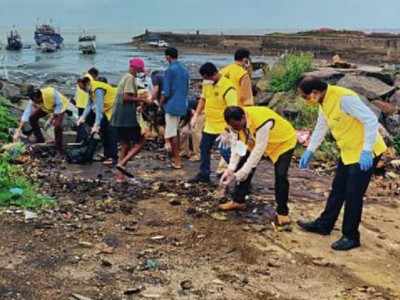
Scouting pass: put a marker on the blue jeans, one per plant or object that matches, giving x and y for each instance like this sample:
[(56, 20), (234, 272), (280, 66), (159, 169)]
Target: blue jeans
[(206, 145)]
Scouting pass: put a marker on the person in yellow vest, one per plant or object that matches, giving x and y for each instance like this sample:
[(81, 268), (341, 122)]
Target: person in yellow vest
[(81, 96), (240, 77), (257, 132), (355, 128), (218, 93), (238, 73), (101, 102), (43, 102)]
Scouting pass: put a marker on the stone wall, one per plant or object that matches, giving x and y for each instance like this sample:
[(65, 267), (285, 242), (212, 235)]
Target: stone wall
[(358, 46)]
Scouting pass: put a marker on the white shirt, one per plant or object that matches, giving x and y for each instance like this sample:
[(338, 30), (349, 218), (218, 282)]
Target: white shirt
[(353, 106)]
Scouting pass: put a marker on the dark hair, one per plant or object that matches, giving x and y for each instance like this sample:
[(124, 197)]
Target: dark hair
[(233, 113), (172, 52), (85, 80), (308, 84), (241, 54), (102, 79), (208, 69), (33, 93), (94, 72)]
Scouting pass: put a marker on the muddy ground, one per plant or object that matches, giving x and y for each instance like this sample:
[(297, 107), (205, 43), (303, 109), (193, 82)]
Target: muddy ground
[(159, 238)]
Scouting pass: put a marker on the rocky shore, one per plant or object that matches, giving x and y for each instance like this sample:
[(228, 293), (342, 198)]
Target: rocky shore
[(374, 48)]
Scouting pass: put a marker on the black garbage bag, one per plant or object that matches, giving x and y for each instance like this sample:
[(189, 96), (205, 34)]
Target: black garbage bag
[(83, 153)]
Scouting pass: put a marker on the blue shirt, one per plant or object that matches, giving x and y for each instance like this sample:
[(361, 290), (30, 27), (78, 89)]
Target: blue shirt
[(98, 107), (175, 89)]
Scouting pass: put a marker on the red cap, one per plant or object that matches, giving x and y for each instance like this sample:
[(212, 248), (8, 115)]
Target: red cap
[(137, 64)]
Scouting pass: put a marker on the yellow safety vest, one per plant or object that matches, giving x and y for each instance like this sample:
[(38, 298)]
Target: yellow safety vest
[(235, 73), (109, 97), (81, 96), (347, 130), (49, 103), (215, 104), (282, 136)]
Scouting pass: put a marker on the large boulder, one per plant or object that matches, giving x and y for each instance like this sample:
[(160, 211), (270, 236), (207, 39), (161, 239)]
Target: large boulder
[(327, 74), (370, 87)]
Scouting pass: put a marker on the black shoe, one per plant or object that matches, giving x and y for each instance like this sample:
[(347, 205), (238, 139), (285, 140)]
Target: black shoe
[(200, 178), (345, 244), (313, 227)]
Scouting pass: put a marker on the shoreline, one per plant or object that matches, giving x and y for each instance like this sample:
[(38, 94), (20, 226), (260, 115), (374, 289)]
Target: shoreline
[(354, 46)]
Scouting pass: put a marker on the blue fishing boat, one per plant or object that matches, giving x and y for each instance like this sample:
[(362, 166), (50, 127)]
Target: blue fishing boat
[(45, 33)]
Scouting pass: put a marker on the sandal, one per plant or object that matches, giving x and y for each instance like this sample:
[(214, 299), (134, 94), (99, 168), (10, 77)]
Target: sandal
[(124, 171)]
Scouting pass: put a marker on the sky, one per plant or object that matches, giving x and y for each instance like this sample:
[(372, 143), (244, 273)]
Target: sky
[(218, 15)]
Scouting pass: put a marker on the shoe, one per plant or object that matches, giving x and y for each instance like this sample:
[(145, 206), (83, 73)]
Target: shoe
[(313, 227), (231, 205), (176, 166), (200, 178), (345, 244), (282, 223)]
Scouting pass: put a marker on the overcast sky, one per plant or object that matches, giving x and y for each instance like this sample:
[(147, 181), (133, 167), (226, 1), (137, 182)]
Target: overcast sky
[(204, 14)]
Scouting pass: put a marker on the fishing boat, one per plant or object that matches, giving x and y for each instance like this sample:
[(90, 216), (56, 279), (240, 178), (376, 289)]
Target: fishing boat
[(87, 43), (14, 41), (45, 33), (48, 47)]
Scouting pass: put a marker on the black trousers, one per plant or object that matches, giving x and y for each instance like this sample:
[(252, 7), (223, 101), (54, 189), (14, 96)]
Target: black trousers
[(82, 133), (109, 137), (281, 182), (348, 188)]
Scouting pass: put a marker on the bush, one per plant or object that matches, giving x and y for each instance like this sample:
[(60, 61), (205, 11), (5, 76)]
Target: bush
[(289, 70), (7, 120), (15, 188)]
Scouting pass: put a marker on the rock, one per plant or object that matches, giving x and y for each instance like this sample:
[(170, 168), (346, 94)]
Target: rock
[(274, 263), (374, 108), (104, 249), (395, 99), (85, 244), (370, 87), (327, 74), (219, 216), (384, 77), (29, 215), (392, 124), (80, 297), (175, 202), (321, 262), (386, 107), (157, 238), (134, 290), (105, 262), (186, 285), (151, 296)]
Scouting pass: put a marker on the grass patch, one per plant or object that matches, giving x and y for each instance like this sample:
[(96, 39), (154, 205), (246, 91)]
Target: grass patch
[(288, 70), (15, 188), (7, 120)]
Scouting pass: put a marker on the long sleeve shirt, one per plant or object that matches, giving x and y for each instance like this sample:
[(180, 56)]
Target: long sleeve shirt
[(58, 107), (97, 106), (255, 156), (354, 107), (175, 89)]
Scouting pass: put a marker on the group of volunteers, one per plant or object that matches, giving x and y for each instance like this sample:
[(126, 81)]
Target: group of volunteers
[(224, 117)]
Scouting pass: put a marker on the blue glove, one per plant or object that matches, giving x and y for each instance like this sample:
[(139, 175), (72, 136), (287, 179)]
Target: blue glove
[(366, 160), (305, 159)]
